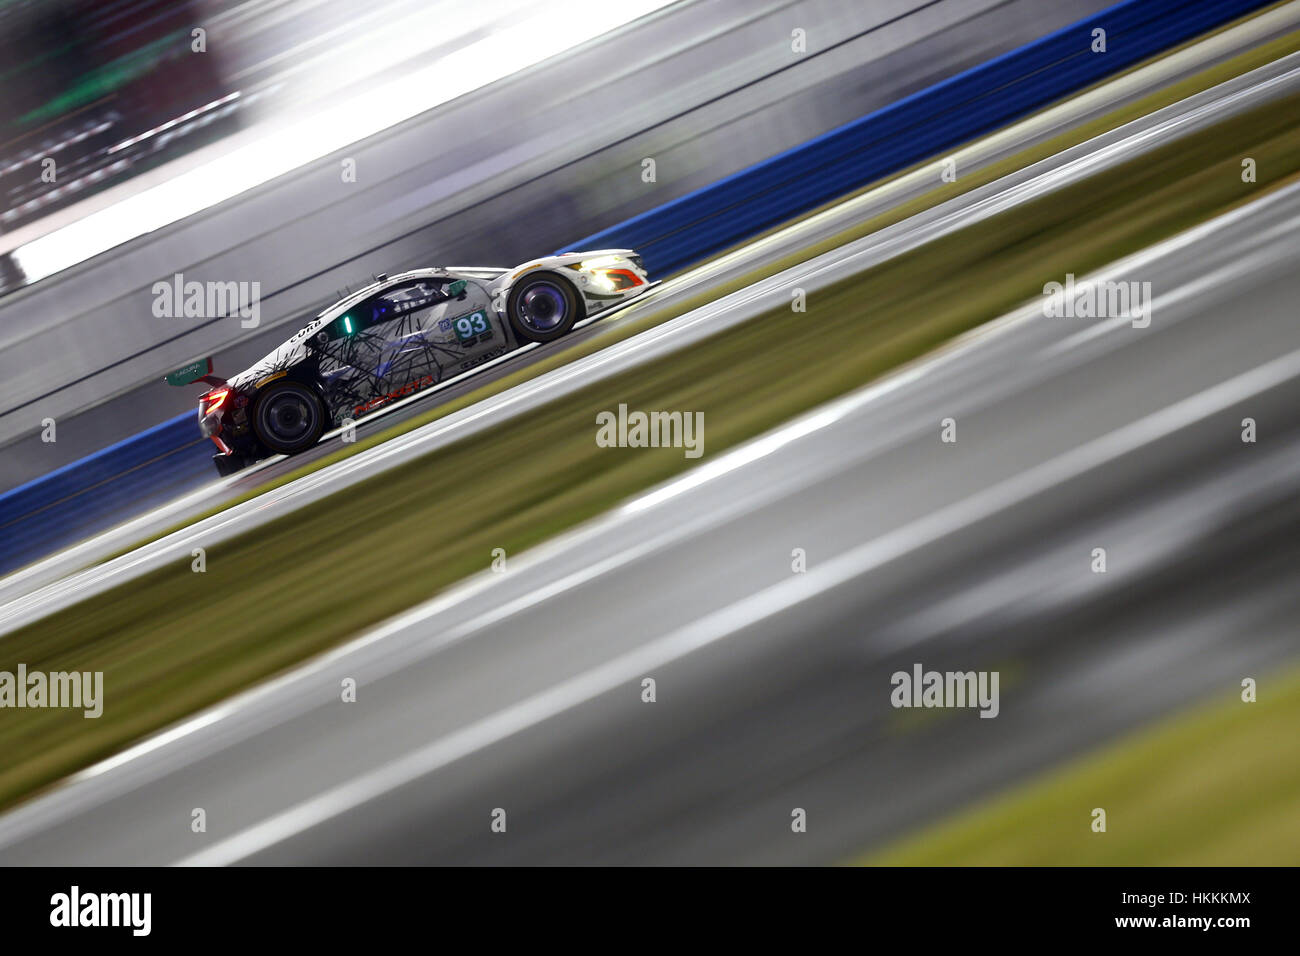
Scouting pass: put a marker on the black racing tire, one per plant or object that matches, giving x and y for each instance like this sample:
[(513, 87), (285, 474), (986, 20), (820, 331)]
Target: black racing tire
[(542, 308), (288, 417)]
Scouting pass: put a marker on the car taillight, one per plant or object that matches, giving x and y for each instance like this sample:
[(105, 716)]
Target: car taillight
[(214, 400)]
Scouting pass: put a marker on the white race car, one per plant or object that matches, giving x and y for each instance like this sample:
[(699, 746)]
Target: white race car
[(398, 336)]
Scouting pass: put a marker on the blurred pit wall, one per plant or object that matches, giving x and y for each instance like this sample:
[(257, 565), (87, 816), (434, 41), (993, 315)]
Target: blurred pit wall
[(496, 177)]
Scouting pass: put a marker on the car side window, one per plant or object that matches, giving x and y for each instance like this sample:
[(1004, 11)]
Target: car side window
[(408, 298), (388, 305)]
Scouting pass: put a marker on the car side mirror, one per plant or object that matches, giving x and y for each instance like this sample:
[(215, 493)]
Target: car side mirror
[(456, 289)]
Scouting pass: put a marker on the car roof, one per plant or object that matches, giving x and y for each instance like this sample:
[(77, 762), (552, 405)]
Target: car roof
[(345, 303)]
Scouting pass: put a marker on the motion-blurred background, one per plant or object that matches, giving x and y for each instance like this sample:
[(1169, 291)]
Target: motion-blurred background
[(917, 169)]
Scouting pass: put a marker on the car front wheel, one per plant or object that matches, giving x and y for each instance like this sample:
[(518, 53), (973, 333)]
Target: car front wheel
[(542, 307)]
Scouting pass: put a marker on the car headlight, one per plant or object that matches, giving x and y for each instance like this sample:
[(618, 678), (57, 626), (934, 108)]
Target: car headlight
[(600, 262), (615, 280)]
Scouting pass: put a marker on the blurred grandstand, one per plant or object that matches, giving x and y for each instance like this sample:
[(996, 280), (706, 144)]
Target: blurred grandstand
[(109, 89), (103, 90)]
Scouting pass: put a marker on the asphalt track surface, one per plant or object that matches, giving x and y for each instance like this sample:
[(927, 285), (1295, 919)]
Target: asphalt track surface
[(56, 582), (522, 691)]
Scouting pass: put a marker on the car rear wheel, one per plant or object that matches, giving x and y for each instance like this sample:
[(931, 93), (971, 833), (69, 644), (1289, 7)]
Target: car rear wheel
[(288, 418), (542, 308)]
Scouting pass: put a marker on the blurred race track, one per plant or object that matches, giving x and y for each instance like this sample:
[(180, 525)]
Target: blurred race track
[(522, 690)]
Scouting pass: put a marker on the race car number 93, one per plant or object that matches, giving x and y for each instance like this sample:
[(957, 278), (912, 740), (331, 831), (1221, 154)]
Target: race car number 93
[(468, 326)]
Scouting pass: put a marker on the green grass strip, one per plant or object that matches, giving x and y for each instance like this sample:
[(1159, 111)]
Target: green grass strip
[(1216, 787)]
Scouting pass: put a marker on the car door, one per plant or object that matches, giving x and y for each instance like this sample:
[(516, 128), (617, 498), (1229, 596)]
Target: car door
[(431, 329), (402, 322), (412, 335), (464, 329), (377, 347)]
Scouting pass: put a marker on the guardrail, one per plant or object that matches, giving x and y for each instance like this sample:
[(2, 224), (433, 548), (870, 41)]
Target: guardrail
[(87, 495)]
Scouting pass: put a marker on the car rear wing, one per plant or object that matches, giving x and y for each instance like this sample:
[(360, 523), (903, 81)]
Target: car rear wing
[(200, 371)]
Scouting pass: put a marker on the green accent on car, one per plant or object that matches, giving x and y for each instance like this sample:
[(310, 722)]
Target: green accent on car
[(190, 373)]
